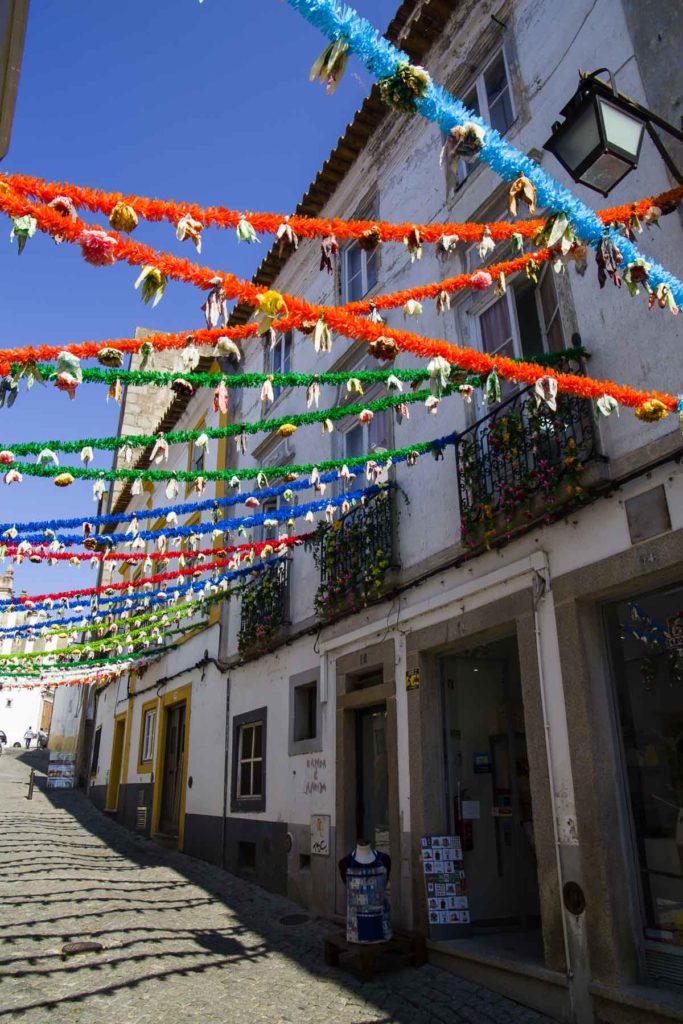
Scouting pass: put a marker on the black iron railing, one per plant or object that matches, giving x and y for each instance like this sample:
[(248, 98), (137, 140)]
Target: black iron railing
[(521, 463), (264, 607), (353, 555)]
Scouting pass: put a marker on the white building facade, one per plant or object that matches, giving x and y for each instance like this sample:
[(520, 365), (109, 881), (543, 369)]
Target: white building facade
[(492, 647)]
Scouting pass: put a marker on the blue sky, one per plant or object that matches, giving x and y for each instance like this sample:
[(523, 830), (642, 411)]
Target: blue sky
[(209, 103)]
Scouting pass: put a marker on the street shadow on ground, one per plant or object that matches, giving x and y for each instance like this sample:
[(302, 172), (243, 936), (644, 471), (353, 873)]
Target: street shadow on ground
[(256, 937)]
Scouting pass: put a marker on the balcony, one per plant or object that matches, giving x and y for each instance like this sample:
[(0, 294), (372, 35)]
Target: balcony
[(353, 555), (522, 464), (264, 608)]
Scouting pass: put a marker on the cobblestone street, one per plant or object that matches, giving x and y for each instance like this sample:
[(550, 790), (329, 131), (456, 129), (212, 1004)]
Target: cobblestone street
[(179, 937)]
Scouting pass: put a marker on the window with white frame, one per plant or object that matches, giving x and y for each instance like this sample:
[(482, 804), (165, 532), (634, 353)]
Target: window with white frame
[(248, 786), (360, 439), (250, 762), (490, 96), (279, 357), (197, 458), (358, 267), (522, 323), (149, 724)]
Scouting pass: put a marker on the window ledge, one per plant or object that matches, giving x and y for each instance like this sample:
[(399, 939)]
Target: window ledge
[(242, 806), (313, 746)]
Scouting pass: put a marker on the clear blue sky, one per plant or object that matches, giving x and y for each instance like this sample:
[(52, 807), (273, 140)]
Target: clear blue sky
[(209, 103)]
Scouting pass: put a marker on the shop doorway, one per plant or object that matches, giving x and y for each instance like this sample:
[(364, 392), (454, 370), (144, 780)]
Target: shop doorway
[(116, 764), (172, 770), (372, 777), (488, 794)]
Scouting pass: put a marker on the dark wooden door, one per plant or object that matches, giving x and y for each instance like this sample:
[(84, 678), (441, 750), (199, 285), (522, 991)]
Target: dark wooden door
[(174, 751)]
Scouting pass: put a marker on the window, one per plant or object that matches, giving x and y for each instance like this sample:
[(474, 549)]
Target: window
[(361, 438), (149, 723), (8, 702), (645, 635), (249, 761), (491, 98), (96, 751), (524, 322), (197, 458), (304, 713), (359, 268), (279, 358)]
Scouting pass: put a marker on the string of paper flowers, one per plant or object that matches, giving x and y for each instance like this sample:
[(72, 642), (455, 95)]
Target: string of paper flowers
[(323, 321), (410, 89), (124, 211)]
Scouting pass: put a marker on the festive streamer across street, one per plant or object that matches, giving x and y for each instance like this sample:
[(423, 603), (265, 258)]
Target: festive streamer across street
[(338, 320), (382, 58), (154, 210)]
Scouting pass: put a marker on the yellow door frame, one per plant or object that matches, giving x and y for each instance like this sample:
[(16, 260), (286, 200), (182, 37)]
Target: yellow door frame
[(166, 702), (118, 765)]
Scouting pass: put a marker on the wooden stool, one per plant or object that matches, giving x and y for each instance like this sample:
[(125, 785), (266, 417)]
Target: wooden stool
[(363, 956)]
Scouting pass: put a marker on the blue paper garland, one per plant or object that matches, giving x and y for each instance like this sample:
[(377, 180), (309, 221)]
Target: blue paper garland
[(381, 57)]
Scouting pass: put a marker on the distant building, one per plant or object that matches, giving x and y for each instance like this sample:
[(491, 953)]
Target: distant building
[(493, 648)]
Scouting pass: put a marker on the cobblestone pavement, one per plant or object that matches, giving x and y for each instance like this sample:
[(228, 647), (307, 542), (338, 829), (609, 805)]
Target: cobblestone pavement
[(180, 937)]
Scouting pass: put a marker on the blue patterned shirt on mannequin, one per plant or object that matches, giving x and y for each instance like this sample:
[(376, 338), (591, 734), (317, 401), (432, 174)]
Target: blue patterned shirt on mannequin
[(365, 872)]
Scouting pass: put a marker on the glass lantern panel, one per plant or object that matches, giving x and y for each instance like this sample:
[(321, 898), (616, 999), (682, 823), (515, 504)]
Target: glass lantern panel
[(621, 129), (582, 137), (605, 172)]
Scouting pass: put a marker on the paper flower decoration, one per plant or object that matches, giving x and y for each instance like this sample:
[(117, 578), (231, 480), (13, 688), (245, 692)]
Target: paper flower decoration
[(412, 308), (47, 456), (439, 370), (270, 304), (245, 232), (443, 302), (464, 142), (220, 398), (651, 411), (123, 218), (384, 349), (182, 387), (492, 388), (354, 386), (110, 357), (63, 206), (432, 404), (286, 236), (286, 430), (227, 347), (267, 393), (329, 250), (146, 355), (365, 416), (545, 390), (481, 281), (63, 480), (663, 297), (607, 405), (466, 391), (313, 395), (67, 382), (23, 228), (172, 488), (159, 451), (405, 87), (413, 243), (486, 245), (6, 457), (524, 190), (370, 239), (188, 227), (322, 337), (328, 426), (252, 502), (152, 283), (13, 476), (98, 248), (330, 65), (8, 391)]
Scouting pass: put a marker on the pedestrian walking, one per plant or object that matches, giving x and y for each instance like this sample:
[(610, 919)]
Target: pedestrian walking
[(28, 736)]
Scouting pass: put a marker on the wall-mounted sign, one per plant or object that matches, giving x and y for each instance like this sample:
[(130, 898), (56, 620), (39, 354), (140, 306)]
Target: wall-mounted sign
[(413, 680), (320, 835), (61, 770)]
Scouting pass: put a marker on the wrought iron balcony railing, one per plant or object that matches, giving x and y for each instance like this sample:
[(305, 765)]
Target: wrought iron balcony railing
[(522, 463), (264, 607), (353, 555)]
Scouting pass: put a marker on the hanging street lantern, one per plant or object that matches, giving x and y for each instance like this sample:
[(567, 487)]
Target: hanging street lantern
[(600, 140)]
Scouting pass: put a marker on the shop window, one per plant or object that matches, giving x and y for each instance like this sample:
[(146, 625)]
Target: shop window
[(96, 751), (304, 714), (359, 268), (646, 643), (249, 761), (149, 722)]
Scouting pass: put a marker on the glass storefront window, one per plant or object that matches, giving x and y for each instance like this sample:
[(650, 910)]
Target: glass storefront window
[(646, 642)]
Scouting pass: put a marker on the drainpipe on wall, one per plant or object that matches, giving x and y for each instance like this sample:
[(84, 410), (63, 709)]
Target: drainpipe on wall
[(226, 768)]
